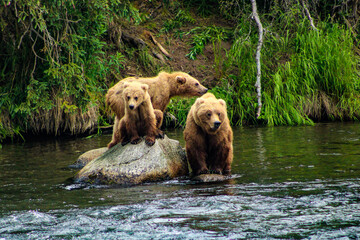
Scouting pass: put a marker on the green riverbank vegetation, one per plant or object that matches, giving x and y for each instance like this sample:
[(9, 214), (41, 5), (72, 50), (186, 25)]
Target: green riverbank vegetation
[(58, 58)]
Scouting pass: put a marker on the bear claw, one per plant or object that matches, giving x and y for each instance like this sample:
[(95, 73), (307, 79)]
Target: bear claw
[(149, 142), (160, 134), (110, 145), (215, 172), (123, 143), (136, 141), (203, 172), (227, 172)]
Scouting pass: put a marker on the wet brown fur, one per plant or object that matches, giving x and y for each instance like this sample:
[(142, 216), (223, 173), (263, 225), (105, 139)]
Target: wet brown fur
[(209, 149), (139, 118)]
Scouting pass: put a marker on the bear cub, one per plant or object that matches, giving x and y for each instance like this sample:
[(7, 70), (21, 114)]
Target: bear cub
[(139, 118), (209, 137)]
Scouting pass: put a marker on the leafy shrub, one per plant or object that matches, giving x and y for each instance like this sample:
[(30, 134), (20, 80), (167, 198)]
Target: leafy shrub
[(56, 62), (204, 35), (181, 18), (306, 74)]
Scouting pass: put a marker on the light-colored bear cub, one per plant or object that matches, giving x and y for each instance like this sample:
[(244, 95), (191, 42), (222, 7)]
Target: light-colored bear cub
[(139, 118)]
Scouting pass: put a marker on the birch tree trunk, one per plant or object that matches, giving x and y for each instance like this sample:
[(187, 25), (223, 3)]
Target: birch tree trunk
[(258, 56), (307, 12)]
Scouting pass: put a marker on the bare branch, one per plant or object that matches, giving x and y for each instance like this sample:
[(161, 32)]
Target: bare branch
[(350, 27), (162, 49), (258, 56), (36, 56), (309, 16), (22, 36)]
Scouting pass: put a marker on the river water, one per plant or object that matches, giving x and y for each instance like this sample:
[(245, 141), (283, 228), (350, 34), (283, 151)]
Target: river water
[(287, 182)]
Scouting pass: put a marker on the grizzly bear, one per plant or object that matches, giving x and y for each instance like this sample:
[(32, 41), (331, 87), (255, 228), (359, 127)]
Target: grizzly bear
[(161, 88), (209, 137), (139, 118)]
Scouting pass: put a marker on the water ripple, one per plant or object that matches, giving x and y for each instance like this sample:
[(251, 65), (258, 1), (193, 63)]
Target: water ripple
[(314, 210)]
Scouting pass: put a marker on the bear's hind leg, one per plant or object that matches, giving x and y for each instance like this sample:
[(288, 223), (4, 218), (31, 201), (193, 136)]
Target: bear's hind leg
[(116, 134), (159, 115)]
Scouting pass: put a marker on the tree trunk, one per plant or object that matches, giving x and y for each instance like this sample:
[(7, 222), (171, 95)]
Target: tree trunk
[(258, 55)]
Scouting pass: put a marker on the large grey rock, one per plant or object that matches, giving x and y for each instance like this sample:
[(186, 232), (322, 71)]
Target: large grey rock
[(134, 164), (88, 156)]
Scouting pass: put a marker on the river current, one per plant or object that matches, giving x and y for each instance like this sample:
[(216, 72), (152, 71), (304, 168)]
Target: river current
[(287, 183)]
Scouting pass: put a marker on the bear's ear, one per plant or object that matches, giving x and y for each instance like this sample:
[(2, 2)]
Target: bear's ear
[(144, 87), (199, 101), (181, 79), (222, 102)]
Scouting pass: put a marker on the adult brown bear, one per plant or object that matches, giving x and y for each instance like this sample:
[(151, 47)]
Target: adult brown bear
[(209, 137)]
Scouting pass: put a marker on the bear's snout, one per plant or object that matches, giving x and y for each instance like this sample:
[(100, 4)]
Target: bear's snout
[(203, 91), (217, 124), (131, 106)]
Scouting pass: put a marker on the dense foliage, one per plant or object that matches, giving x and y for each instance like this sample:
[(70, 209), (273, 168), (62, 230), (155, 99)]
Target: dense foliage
[(57, 64), (307, 74), (54, 63)]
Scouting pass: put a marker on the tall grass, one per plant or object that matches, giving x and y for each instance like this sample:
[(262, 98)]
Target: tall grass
[(307, 75), (203, 35), (319, 82), (179, 108), (181, 18)]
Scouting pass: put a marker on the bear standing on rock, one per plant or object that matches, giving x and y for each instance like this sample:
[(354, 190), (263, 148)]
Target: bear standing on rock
[(139, 119), (209, 137), (161, 88)]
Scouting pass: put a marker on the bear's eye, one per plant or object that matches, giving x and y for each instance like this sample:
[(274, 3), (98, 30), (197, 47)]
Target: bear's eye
[(219, 114), (136, 98), (209, 114), (128, 97), (196, 84)]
